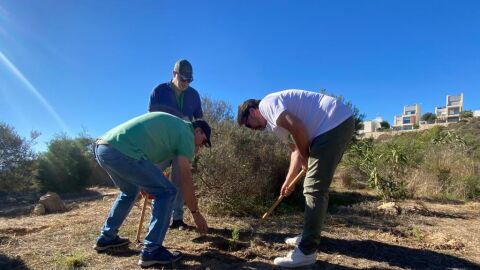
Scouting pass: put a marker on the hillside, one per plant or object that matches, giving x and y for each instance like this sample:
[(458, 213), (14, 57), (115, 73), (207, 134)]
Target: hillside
[(413, 234)]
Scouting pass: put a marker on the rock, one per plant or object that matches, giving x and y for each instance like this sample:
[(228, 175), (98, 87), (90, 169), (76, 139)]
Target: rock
[(52, 203), (39, 209), (417, 209), (390, 208)]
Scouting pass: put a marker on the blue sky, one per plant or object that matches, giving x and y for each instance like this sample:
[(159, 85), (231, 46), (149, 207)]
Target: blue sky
[(74, 65)]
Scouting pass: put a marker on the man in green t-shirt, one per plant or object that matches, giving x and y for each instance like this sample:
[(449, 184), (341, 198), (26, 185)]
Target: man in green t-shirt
[(128, 153)]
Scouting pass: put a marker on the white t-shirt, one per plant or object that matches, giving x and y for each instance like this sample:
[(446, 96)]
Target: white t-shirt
[(319, 113)]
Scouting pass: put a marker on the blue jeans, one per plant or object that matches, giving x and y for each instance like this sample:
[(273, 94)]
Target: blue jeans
[(129, 175), (177, 213)]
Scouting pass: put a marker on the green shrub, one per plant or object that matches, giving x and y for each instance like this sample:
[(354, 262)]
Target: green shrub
[(243, 171), (436, 163), (385, 164), (17, 159), (98, 176), (65, 167)]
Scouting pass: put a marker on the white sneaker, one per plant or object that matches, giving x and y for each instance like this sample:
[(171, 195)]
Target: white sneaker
[(295, 258), (293, 241)]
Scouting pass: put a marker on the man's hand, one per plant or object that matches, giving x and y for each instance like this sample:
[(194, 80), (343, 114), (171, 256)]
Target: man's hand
[(285, 191), (304, 163), (200, 222)]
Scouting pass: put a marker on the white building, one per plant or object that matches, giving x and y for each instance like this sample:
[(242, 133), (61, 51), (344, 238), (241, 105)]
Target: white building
[(372, 125), (409, 118), (450, 113)]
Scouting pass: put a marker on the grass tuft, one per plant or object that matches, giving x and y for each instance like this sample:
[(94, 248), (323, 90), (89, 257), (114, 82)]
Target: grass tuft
[(75, 260)]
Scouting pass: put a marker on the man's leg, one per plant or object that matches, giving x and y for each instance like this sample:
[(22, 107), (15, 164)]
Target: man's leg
[(164, 193), (177, 213), (149, 177), (326, 151), (130, 175), (109, 159)]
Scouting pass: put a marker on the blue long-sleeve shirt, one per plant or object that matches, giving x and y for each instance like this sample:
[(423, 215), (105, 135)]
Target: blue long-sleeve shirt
[(163, 99)]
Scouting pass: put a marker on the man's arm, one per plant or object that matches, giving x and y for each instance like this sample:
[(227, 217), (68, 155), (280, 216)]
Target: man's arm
[(153, 102), (293, 170), (295, 127), (188, 191), (198, 113), (300, 150)]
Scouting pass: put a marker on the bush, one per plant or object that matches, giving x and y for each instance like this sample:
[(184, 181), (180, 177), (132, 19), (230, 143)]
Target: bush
[(385, 165), (436, 163), (448, 172), (65, 167), (98, 176), (351, 177), (17, 159), (243, 171)]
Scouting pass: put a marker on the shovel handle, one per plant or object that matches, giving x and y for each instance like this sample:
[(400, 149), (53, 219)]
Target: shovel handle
[(142, 216), (280, 198)]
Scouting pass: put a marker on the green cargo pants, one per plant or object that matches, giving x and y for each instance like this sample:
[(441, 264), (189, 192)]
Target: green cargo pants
[(326, 151)]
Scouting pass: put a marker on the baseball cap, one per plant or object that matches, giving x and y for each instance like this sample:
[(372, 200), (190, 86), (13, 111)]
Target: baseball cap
[(184, 68), (203, 125)]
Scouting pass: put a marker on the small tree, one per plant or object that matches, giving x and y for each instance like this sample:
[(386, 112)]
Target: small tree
[(466, 114), (429, 117), (17, 159), (65, 167), (215, 111), (384, 124)]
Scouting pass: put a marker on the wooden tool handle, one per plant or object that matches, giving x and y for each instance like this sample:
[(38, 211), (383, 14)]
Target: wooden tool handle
[(280, 198), (142, 216)]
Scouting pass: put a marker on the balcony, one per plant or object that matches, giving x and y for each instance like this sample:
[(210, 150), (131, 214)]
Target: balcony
[(454, 111), (453, 103)]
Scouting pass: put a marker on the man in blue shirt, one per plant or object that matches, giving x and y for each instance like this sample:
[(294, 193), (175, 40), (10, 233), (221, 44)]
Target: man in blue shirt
[(178, 98)]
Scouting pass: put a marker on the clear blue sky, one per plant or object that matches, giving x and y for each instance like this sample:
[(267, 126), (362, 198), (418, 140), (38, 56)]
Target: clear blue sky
[(69, 65)]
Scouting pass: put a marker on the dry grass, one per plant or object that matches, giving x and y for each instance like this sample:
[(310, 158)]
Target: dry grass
[(356, 236)]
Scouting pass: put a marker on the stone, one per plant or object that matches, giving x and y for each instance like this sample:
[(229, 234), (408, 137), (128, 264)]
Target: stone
[(52, 203), (390, 208), (39, 209)]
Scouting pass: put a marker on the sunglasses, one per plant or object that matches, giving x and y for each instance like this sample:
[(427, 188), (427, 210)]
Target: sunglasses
[(183, 79)]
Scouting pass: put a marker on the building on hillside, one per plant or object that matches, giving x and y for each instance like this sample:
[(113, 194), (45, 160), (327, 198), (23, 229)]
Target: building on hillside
[(450, 113), (372, 125), (476, 113), (409, 119)]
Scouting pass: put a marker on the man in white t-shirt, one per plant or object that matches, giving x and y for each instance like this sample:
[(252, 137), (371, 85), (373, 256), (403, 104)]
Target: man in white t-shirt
[(318, 129)]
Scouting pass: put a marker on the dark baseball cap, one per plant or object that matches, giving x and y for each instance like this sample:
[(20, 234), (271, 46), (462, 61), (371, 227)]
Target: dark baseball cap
[(203, 125), (184, 68)]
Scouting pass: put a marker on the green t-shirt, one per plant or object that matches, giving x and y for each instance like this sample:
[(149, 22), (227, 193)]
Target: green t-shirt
[(154, 136)]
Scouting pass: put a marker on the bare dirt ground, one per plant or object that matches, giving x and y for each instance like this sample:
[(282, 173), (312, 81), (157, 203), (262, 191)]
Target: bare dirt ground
[(358, 235)]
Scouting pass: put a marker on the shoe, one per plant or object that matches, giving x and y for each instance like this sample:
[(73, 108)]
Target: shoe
[(102, 245), (178, 224), (295, 258), (159, 256), (293, 241)]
